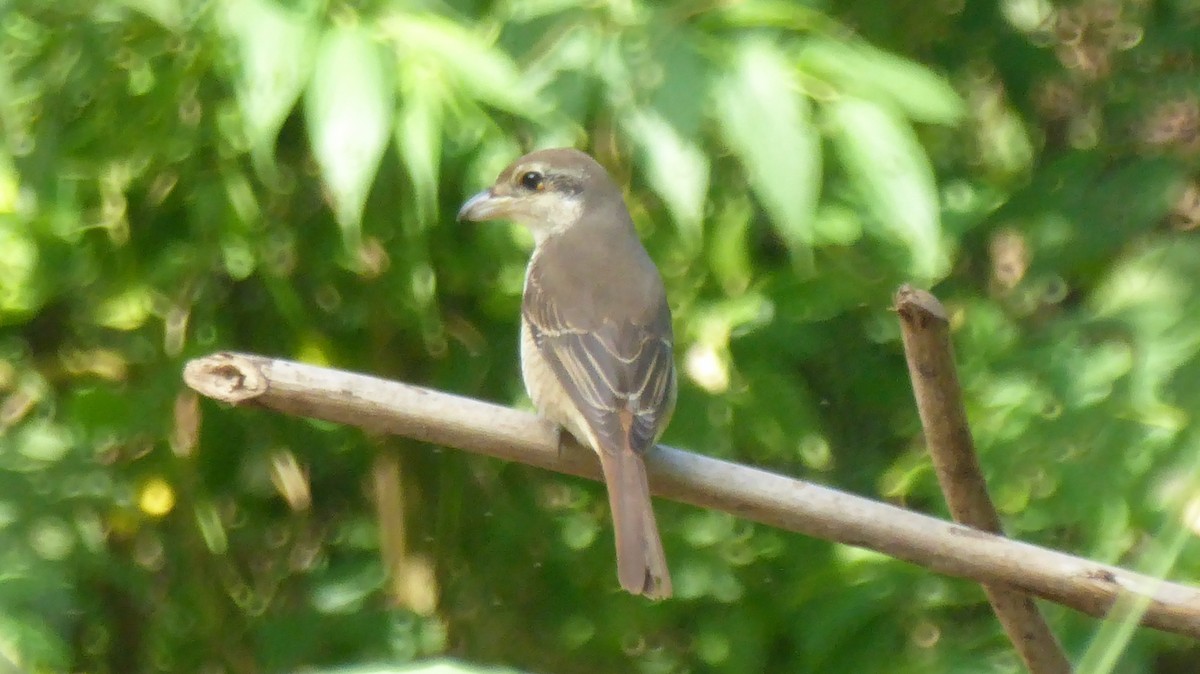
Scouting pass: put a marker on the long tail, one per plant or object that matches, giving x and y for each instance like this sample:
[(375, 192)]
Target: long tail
[(641, 562)]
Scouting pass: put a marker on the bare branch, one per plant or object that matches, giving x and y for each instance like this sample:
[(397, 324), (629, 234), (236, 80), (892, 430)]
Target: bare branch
[(931, 368), (472, 425)]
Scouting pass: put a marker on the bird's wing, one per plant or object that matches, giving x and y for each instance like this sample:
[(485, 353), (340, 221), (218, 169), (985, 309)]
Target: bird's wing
[(620, 374)]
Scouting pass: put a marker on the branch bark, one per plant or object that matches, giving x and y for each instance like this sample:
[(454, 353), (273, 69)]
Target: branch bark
[(930, 356), (472, 425)]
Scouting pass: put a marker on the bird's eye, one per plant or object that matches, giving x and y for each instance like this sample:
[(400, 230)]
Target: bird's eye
[(532, 180)]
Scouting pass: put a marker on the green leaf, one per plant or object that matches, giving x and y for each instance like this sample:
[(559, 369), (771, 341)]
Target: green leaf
[(729, 258), (528, 10), (20, 295), (774, 14), (1004, 143), (837, 225), (126, 310), (861, 70), (168, 13), (33, 642), (1151, 294), (431, 667), (419, 139), (43, 442), (350, 104), (889, 167), (274, 48), (482, 71), (767, 123), (566, 63), (676, 169)]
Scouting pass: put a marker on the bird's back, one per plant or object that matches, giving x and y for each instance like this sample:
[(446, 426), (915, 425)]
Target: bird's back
[(632, 356)]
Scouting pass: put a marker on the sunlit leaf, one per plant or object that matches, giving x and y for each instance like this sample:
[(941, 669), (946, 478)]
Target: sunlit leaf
[(274, 59), (482, 71), (490, 158), (676, 169), (525, 10), (350, 104), (238, 257), (617, 71), (1152, 294), (897, 481), (18, 270), (893, 178), (729, 250), (345, 592), (43, 441), (867, 72), (688, 75), (773, 14), (419, 138), (35, 643), (1004, 143), (9, 180), (126, 310), (1098, 372), (565, 59), (707, 362), (837, 225), (766, 121), (169, 13), (434, 667)]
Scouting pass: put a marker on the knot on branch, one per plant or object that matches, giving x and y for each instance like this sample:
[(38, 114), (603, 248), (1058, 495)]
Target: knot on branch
[(227, 377)]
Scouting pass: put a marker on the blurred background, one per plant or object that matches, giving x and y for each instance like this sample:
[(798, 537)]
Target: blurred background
[(281, 176)]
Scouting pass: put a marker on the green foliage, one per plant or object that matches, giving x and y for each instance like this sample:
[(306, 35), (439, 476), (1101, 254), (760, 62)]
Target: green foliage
[(281, 177)]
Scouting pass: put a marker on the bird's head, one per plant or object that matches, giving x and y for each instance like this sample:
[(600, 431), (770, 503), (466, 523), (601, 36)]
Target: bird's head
[(546, 191)]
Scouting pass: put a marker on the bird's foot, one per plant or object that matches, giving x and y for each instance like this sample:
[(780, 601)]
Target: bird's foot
[(562, 435)]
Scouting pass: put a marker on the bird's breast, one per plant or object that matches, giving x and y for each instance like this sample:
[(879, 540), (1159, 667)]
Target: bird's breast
[(548, 395)]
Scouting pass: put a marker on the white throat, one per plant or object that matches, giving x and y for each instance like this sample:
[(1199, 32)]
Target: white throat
[(555, 218)]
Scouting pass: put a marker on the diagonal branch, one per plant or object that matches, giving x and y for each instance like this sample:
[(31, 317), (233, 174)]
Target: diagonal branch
[(476, 426), (935, 385)]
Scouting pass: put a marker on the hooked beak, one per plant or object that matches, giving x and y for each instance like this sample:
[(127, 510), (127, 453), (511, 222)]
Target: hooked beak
[(485, 205)]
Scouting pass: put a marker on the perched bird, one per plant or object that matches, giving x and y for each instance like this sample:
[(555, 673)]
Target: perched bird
[(597, 352)]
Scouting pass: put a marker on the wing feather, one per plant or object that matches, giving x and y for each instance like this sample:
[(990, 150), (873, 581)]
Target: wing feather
[(610, 367)]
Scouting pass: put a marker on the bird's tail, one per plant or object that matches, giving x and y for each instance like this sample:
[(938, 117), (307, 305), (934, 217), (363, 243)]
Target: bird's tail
[(641, 562)]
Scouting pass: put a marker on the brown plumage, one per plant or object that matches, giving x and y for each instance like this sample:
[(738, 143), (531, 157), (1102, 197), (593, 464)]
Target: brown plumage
[(596, 342)]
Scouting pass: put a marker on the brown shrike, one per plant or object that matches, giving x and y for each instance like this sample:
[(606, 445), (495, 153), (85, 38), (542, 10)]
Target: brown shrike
[(597, 352)]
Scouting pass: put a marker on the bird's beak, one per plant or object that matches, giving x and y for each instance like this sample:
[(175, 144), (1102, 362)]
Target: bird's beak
[(486, 205)]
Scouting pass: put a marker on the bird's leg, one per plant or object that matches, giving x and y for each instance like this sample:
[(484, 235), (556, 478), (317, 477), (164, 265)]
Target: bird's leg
[(561, 432)]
